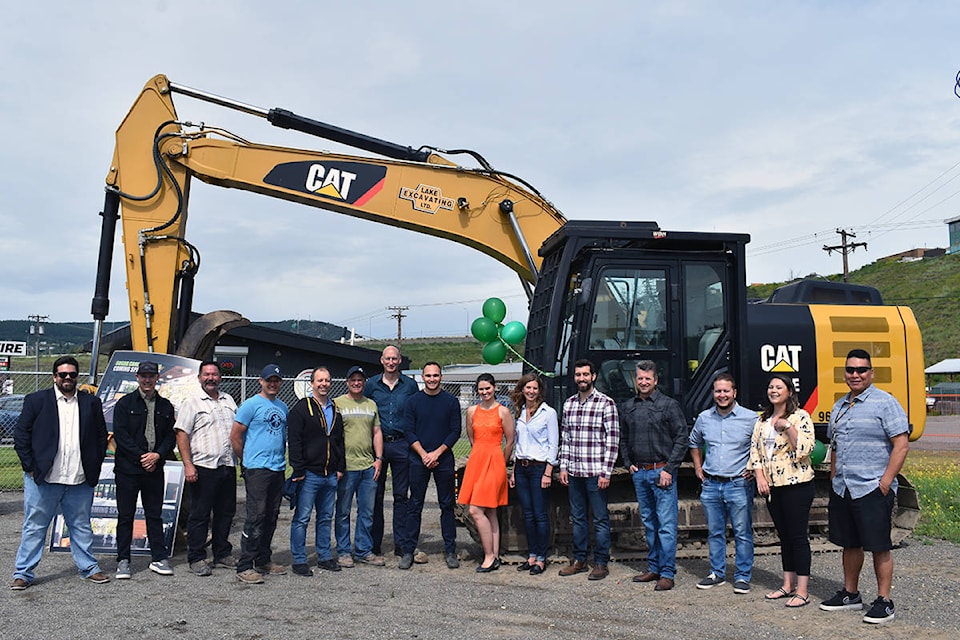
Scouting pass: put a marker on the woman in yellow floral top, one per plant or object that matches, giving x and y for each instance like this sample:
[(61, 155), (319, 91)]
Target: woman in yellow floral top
[(780, 451)]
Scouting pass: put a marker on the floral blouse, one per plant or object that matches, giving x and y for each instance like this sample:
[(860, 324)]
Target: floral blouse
[(771, 451)]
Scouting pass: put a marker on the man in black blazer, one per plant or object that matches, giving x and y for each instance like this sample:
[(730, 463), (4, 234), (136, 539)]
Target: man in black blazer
[(143, 431), (61, 440)]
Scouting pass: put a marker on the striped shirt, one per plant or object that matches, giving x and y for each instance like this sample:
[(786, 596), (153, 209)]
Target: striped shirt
[(589, 436), (208, 423)]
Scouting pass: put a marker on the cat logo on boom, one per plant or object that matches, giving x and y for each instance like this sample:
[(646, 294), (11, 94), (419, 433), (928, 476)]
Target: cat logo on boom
[(351, 182)]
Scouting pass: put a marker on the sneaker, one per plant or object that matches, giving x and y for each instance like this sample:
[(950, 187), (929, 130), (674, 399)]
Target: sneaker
[(881, 610), (453, 562), (123, 570), (420, 558), (843, 599), (302, 570), (250, 576), (741, 586), (162, 567), (98, 578), (406, 561), (372, 559), (273, 569), (328, 565), (345, 561), (226, 562), (201, 568), (711, 581)]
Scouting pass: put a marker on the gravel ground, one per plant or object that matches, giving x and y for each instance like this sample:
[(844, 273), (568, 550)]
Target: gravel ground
[(431, 601)]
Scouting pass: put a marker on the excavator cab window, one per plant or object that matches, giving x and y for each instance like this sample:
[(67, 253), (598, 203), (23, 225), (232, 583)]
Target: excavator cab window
[(630, 310)]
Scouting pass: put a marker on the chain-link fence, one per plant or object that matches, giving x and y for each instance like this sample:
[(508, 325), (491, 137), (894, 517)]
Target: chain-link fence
[(11, 475)]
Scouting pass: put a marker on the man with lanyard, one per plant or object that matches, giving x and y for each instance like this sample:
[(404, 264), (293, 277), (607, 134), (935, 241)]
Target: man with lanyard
[(318, 461), (259, 439), (390, 391), (589, 436), (869, 434), (654, 442), (724, 431), (210, 469)]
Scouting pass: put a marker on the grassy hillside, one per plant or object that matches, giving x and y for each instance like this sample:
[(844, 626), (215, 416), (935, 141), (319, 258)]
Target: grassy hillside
[(930, 287)]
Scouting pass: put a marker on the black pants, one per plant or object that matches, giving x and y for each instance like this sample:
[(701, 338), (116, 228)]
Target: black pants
[(215, 491), (789, 507), (444, 479), (396, 455), (264, 491), (150, 487)]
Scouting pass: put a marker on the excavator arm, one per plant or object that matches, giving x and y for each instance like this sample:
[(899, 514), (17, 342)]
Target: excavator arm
[(157, 154)]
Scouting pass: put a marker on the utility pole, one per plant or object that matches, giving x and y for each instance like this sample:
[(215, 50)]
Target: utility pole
[(845, 248), (37, 330), (399, 315)]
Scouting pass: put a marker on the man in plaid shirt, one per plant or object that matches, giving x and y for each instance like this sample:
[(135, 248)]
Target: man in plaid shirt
[(589, 440)]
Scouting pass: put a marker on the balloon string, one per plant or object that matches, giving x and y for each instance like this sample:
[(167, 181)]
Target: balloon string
[(540, 372)]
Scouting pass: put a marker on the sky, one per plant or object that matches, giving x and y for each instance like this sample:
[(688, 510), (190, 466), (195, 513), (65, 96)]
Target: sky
[(785, 121)]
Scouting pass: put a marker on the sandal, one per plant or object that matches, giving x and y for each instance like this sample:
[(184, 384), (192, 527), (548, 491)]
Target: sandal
[(779, 594), (804, 601)]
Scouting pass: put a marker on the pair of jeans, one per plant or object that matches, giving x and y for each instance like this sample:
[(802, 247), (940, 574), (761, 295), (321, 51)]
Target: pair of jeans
[(363, 485), (320, 493), (584, 492), (443, 478), (658, 510), (395, 455), (215, 491), (264, 492), (40, 505), (731, 501), (533, 502), (151, 487), (789, 508)]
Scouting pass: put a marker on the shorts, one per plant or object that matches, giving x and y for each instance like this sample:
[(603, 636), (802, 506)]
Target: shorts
[(862, 522)]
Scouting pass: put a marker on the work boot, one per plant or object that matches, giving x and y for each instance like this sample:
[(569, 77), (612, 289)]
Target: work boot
[(575, 567)]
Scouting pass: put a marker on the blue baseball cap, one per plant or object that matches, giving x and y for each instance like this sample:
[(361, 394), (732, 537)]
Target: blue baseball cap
[(270, 371)]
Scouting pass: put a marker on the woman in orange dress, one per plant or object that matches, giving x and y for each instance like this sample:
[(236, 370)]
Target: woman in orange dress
[(484, 485)]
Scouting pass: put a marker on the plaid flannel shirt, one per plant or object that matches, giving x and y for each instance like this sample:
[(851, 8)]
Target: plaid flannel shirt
[(589, 436)]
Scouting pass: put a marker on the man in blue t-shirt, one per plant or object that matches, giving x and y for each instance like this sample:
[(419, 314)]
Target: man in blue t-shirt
[(259, 439)]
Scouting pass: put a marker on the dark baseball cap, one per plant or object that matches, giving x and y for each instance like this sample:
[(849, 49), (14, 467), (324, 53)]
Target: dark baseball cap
[(270, 371), (148, 368), (356, 369)]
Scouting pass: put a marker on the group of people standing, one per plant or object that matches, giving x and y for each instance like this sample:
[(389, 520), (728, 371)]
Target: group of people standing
[(340, 449)]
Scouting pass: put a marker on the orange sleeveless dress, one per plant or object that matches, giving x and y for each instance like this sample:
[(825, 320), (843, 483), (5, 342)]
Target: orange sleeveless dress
[(485, 478)]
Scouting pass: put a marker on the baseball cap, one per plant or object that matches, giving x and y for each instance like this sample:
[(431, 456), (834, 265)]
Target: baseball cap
[(356, 369), (148, 368), (269, 371)]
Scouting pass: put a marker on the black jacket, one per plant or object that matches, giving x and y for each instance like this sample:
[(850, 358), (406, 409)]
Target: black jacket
[(37, 435), (310, 447), (129, 431)]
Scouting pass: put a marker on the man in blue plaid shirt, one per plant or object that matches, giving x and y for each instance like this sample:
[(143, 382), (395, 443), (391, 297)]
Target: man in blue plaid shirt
[(589, 440)]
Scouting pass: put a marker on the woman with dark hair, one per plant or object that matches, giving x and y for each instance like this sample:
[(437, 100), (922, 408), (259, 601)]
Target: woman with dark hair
[(484, 485), (538, 438), (780, 451)]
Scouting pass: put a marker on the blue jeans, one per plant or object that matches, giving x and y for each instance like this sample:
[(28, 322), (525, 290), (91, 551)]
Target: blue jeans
[(533, 502), (734, 501), (658, 509), (363, 485), (40, 505), (584, 491), (320, 492)]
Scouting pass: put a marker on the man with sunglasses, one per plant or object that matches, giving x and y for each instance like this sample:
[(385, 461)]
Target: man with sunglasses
[(61, 439), (868, 431)]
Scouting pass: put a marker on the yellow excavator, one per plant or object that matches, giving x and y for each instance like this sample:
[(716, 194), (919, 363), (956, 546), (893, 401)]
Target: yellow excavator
[(611, 291)]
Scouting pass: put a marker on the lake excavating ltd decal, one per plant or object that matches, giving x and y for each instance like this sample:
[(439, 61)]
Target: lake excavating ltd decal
[(351, 182), (426, 198)]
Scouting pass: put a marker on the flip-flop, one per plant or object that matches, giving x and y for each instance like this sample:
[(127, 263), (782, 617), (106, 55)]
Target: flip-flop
[(779, 594), (804, 599)]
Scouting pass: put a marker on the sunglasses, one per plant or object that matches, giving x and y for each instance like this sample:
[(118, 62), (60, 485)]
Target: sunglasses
[(63, 375), (860, 370)]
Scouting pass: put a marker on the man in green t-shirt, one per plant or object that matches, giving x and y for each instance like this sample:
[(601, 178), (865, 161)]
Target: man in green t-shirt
[(364, 452)]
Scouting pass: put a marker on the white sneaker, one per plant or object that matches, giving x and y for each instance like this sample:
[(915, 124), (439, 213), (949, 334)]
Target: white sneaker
[(162, 567)]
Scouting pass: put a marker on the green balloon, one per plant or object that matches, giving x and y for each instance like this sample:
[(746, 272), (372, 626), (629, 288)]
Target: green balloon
[(494, 352), (513, 332), (819, 453), (484, 329), (494, 309)]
